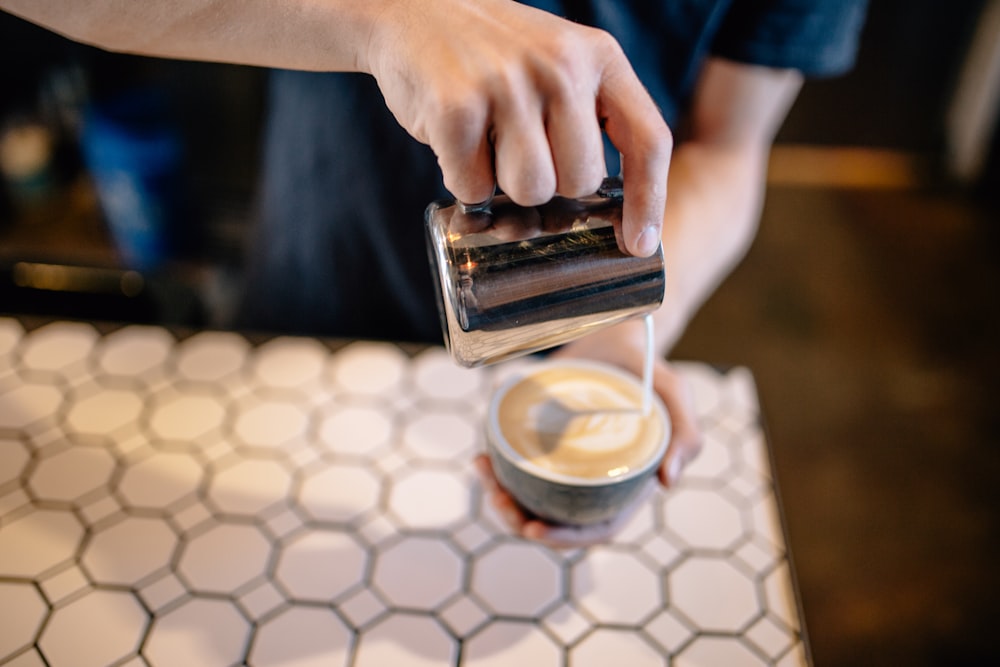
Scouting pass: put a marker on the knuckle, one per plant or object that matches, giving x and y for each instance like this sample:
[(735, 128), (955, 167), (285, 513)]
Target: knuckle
[(581, 182), (654, 142), (604, 44), (530, 190), (456, 118), (563, 55), (659, 138)]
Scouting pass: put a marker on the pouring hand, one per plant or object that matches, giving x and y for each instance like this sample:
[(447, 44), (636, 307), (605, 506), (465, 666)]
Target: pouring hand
[(511, 95)]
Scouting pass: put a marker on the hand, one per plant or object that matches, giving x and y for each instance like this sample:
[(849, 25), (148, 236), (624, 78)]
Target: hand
[(510, 95), (623, 346), (523, 523)]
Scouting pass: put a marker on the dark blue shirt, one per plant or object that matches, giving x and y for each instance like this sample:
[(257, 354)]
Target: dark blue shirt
[(339, 246)]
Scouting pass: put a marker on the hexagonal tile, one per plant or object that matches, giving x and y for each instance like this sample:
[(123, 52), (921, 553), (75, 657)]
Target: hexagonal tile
[(187, 417), (28, 403), (197, 632), (441, 436), (104, 412), (321, 565), (400, 639), (615, 587), (516, 579), (71, 473), (355, 430), (430, 498), (160, 480), (129, 551), (116, 617), (438, 376), (21, 614), (134, 350), (289, 362), (703, 519), (224, 557), (717, 651), (303, 637), (780, 596), (713, 594), (417, 573), (210, 356), (505, 643), (609, 646), (371, 369), (271, 423), (249, 487), (13, 458), (339, 492), (755, 453), (766, 520), (38, 541), (58, 345), (641, 524)]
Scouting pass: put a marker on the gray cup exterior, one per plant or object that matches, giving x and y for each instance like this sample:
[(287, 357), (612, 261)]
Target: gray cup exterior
[(558, 498), (513, 280)]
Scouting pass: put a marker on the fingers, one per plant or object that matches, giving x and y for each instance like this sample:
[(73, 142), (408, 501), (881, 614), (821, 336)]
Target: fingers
[(685, 435), (554, 536), (547, 138), (531, 126), (515, 97), (525, 169), (636, 127), (461, 141), (575, 138)]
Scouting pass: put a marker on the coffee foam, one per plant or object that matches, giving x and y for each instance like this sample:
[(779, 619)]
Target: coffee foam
[(580, 421)]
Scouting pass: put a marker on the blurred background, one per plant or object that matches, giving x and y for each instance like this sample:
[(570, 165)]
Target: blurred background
[(867, 308)]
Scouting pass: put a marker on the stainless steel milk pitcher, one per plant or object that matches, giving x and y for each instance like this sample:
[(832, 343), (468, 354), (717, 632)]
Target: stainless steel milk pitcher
[(512, 280)]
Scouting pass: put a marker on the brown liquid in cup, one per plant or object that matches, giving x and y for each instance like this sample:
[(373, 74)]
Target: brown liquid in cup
[(580, 422)]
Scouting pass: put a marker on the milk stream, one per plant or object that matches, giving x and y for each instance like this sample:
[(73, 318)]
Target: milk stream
[(647, 369)]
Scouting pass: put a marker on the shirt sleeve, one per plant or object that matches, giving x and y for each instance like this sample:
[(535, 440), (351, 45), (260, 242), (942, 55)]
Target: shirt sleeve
[(817, 37)]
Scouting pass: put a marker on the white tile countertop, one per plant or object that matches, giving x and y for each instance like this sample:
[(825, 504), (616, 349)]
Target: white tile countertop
[(200, 501)]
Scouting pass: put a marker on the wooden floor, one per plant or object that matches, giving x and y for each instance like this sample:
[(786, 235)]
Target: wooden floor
[(871, 320)]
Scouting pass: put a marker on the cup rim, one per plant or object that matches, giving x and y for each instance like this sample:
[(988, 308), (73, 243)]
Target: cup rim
[(497, 441)]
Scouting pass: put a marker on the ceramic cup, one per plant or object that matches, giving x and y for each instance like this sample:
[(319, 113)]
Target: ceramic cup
[(569, 441)]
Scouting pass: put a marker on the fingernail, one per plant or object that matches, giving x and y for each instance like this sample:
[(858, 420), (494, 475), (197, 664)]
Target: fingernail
[(648, 240), (674, 471)]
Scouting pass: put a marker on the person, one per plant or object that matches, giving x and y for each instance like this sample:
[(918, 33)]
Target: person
[(376, 108)]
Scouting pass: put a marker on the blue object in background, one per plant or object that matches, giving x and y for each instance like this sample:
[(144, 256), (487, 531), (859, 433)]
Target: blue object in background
[(134, 154)]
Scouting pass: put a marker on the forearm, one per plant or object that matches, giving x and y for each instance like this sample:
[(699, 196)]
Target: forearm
[(322, 35), (717, 181), (712, 213)]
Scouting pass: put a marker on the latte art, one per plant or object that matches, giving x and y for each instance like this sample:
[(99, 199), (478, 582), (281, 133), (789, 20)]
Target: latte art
[(581, 422)]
